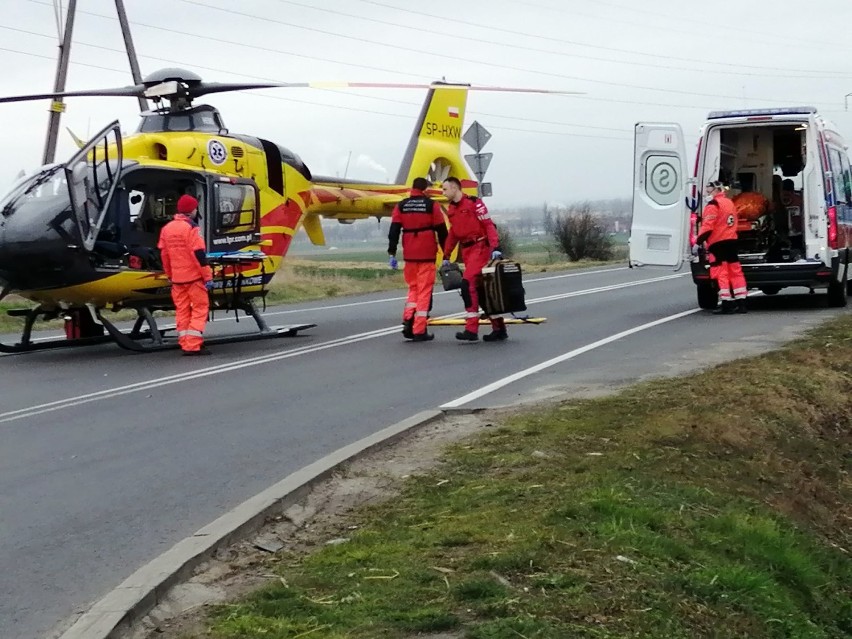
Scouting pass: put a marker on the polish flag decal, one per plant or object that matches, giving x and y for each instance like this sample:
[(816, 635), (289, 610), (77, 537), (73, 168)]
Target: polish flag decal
[(453, 112)]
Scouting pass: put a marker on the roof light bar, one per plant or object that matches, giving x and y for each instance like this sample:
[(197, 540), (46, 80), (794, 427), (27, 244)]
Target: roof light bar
[(745, 113)]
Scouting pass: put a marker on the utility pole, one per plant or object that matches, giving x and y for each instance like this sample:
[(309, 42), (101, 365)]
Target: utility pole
[(57, 106), (131, 51)]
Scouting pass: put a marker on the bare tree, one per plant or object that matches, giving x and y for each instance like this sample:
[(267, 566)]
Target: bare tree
[(581, 235), (547, 220), (507, 242)]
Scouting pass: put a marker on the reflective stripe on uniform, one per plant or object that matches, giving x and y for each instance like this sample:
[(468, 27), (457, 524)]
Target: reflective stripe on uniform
[(422, 314), (469, 315), (190, 332), (411, 305)]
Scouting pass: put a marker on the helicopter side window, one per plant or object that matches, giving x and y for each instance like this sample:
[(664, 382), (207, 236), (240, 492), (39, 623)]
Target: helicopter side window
[(236, 208)]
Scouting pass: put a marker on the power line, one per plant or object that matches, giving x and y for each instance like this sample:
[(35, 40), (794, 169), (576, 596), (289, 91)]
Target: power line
[(468, 59), (208, 38), (53, 59), (491, 115), (692, 107), (320, 104), (336, 91), (694, 33), (469, 38), (632, 52), (727, 27)]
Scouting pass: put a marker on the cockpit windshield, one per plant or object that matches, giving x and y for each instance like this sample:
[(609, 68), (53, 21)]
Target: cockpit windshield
[(46, 189)]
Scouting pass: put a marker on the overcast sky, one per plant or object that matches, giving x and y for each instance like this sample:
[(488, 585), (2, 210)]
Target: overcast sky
[(654, 61)]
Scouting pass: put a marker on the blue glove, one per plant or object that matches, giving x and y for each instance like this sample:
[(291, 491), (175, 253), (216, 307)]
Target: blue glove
[(393, 263), (209, 285), (445, 263), (496, 255)]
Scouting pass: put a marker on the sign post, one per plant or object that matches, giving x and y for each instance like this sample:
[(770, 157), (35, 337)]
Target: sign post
[(477, 137)]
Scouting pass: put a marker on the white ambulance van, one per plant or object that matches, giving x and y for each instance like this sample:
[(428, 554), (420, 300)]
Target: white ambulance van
[(790, 171)]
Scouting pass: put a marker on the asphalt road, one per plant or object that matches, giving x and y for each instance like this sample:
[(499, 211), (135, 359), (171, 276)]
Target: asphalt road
[(109, 458)]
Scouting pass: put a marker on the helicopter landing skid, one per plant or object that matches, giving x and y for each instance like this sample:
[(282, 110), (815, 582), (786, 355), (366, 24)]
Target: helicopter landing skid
[(28, 344), (154, 339)]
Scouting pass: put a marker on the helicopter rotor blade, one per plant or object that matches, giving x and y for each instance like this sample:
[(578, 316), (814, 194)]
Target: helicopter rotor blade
[(434, 85), (128, 91), (206, 88)]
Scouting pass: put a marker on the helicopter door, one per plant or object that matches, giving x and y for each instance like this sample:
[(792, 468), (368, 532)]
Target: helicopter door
[(92, 174), (234, 219), (660, 221)]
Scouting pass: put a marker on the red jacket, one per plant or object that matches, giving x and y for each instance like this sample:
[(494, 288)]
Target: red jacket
[(470, 223), (183, 251), (718, 221), (419, 218)]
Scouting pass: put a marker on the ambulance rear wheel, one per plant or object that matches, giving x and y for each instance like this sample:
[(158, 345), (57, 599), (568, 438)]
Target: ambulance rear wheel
[(708, 299), (837, 291), (770, 290)]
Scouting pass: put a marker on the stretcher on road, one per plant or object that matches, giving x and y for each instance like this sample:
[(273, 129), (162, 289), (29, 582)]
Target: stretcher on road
[(484, 321)]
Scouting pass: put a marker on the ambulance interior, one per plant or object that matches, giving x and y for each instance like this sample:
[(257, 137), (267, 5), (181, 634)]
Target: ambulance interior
[(143, 203), (764, 167)]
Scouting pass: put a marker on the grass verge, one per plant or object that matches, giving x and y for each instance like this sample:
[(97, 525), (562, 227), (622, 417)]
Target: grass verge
[(717, 505)]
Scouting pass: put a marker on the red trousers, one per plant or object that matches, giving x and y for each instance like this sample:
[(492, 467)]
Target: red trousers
[(730, 277), (475, 258), (420, 277), (727, 270), (191, 307)]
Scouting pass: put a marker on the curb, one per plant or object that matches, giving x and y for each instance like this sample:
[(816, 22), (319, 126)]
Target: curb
[(143, 590)]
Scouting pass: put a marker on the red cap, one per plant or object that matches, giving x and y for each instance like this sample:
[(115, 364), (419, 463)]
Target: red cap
[(186, 204)]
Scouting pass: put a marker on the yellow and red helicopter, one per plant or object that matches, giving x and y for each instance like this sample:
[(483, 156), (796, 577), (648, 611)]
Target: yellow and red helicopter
[(79, 238)]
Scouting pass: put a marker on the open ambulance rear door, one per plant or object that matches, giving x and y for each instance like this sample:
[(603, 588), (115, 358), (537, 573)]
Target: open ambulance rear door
[(660, 222)]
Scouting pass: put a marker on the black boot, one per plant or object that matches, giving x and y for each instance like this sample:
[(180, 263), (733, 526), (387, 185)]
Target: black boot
[(496, 336), (742, 306), (467, 336), (727, 307), (408, 328), (423, 337)]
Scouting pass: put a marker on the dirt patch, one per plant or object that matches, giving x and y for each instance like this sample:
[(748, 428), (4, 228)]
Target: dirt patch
[(314, 522)]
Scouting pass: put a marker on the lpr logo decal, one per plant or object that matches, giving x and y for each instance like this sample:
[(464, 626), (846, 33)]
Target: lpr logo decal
[(217, 152)]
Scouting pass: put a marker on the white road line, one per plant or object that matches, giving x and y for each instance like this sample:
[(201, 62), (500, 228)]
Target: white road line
[(490, 388), (401, 299), (108, 393), (366, 302)]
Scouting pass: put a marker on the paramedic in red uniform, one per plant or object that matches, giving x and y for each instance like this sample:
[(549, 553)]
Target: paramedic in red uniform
[(472, 228), (419, 219), (184, 258), (719, 230)]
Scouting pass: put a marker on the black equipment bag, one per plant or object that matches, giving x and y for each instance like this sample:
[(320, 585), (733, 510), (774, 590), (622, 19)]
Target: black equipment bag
[(451, 276), (502, 290)]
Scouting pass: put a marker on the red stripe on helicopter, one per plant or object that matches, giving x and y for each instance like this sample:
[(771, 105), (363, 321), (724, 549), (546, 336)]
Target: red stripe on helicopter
[(286, 215), (325, 197)]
